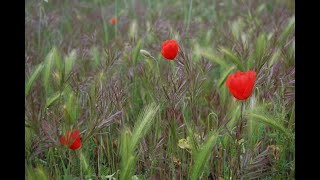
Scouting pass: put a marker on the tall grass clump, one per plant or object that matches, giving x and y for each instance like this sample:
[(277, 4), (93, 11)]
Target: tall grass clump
[(129, 141), (202, 156)]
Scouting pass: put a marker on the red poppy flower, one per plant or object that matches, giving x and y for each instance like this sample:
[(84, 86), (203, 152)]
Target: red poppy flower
[(74, 142), (241, 84), (170, 49), (113, 20)]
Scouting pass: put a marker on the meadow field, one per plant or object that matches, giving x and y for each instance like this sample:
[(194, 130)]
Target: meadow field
[(108, 97)]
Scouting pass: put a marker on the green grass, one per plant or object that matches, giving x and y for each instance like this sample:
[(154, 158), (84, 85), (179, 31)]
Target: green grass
[(143, 117)]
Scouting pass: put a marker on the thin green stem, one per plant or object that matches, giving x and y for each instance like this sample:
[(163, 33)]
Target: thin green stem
[(238, 137), (116, 15), (39, 27), (189, 14), (105, 29), (149, 8)]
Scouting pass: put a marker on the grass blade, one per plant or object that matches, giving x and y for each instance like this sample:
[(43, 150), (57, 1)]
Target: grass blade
[(70, 61), (202, 156), (51, 100), (233, 58), (189, 14), (270, 122), (136, 52), (143, 124), (214, 58), (129, 142), (261, 45), (290, 27), (33, 77), (225, 75), (275, 57), (237, 27), (47, 70)]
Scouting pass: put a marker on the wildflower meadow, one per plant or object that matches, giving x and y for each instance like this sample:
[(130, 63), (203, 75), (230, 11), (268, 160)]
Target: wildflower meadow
[(145, 89)]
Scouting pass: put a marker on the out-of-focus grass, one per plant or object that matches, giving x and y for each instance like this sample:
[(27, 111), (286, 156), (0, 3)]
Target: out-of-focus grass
[(84, 73)]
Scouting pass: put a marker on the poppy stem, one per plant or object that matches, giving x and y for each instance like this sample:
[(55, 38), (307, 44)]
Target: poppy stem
[(241, 117), (238, 137)]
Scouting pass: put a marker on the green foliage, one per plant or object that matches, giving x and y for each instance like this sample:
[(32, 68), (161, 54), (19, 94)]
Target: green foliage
[(225, 76), (71, 106), (53, 99), (286, 32), (261, 46), (28, 141), (35, 74), (274, 58), (36, 174), (214, 58), (270, 122), (189, 14), (69, 62), (129, 142), (136, 52), (143, 124), (235, 116), (202, 156), (237, 27), (234, 59), (85, 164), (50, 58)]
